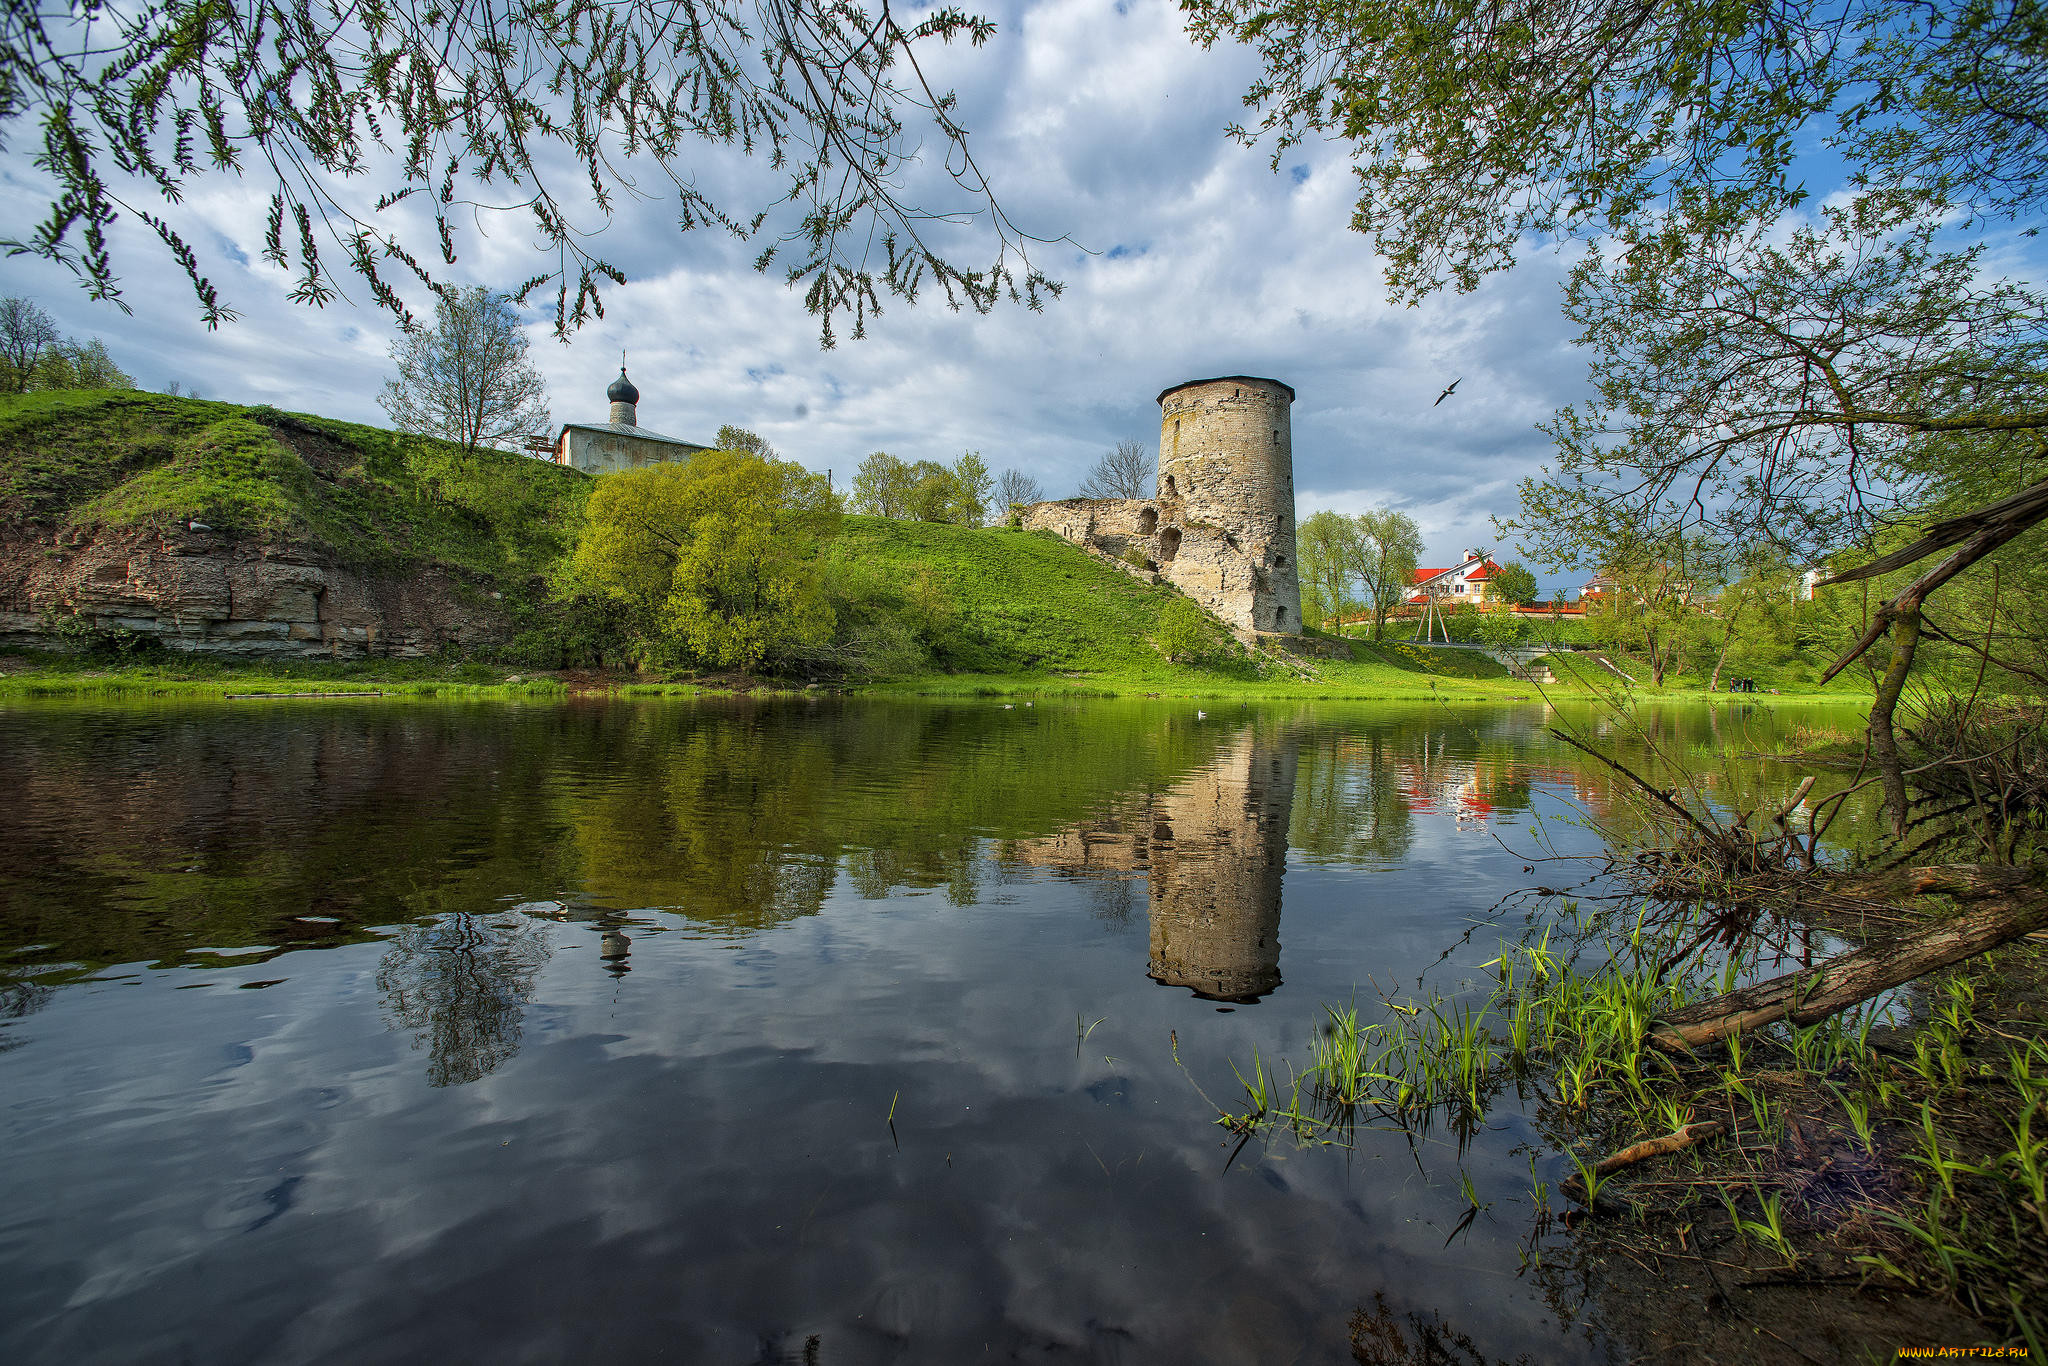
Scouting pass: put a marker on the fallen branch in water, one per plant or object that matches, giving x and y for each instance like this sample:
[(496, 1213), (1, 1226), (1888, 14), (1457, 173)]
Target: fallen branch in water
[(2011, 910), (1575, 1186)]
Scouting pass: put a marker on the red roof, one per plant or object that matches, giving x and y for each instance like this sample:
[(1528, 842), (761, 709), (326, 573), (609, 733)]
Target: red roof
[(1486, 569)]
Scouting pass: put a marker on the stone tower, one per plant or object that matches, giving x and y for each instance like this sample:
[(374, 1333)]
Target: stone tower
[(1226, 467)]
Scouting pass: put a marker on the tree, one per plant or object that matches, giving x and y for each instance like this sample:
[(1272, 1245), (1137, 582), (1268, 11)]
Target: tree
[(971, 489), (1475, 123), (26, 332), (1515, 584), (1125, 472), (1388, 544), (1327, 546), (731, 438), (881, 486), (79, 365), (1015, 488), (534, 108), (468, 380), (713, 555)]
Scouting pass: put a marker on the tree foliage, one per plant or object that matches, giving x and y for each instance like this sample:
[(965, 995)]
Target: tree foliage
[(532, 107), (1514, 583), (1474, 123), (1389, 544), (1126, 471), (713, 556), (1327, 550), (467, 380), (924, 491), (35, 356)]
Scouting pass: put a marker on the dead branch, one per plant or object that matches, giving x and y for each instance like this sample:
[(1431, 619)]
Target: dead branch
[(2010, 912), (1575, 1186)]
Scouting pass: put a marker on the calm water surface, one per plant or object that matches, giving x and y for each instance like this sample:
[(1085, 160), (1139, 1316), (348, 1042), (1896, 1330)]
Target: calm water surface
[(358, 1032)]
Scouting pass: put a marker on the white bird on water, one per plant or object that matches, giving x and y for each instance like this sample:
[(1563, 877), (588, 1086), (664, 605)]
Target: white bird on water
[(1201, 715)]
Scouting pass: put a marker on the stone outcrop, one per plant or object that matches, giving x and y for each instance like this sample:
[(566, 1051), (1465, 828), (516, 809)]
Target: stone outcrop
[(195, 591)]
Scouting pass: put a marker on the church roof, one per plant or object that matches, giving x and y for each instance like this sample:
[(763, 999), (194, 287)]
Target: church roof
[(622, 390), (637, 433)]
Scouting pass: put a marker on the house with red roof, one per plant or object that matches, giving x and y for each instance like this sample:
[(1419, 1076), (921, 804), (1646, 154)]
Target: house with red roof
[(1467, 581)]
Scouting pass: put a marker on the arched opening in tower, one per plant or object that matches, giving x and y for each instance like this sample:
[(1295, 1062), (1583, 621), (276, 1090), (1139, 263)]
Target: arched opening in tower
[(1171, 490), (1169, 544), (1148, 521)]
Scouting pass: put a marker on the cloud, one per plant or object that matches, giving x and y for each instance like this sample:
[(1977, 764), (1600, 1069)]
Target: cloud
[(1184, 255)]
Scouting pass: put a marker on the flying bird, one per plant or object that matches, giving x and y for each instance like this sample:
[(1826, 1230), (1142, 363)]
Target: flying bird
[(1448, 391)]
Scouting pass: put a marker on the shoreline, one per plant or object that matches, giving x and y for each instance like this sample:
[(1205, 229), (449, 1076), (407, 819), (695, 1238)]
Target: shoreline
[(22, 679)]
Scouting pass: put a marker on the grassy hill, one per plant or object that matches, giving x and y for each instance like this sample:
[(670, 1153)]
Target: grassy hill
[(363, 497)]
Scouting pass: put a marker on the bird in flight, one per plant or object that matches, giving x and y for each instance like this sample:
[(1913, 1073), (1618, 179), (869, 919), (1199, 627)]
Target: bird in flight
[(1447, 392)]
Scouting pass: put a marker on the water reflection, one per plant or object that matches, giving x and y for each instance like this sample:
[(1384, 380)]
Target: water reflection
[(460, 986), (1210, 850), (844, 1108)]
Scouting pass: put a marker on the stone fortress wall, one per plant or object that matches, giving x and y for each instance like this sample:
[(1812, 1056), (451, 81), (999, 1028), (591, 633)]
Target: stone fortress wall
[(1212, 850), (1221, 524)]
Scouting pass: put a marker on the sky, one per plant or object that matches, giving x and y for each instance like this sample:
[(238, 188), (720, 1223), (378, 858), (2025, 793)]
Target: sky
[(1098, 121)]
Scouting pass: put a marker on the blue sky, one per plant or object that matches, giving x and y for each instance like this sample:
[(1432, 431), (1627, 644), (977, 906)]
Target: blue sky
[(1096, 119)]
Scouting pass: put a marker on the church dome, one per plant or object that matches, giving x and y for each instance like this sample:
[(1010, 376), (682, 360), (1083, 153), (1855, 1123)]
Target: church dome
[(622, 390)]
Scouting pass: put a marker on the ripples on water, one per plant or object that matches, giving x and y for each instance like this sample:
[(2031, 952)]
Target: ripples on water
[(810, 1032)]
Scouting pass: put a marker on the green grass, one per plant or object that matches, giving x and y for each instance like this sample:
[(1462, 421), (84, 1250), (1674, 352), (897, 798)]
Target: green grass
[(1038, 615), (362, 497)]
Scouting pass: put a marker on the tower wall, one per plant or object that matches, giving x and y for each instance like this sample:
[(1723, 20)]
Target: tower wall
[(1226, 462)]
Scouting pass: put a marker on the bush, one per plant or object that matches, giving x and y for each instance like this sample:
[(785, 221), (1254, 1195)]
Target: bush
[(1185, 634)]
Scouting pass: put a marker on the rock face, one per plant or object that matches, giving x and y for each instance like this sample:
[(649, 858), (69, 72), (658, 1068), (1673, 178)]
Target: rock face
[(196, 591), (1221, 525)]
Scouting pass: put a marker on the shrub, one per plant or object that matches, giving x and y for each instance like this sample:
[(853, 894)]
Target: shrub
[(1185, 634)]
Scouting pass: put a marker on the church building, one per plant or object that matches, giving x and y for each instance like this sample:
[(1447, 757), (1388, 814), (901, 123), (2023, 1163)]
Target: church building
[(622, 443)]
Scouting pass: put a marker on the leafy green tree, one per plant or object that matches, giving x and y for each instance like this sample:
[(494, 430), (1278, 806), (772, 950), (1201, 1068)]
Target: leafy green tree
[(468, 379), (1515, 584), (881, 486), (79, 365), (1388, 544), (449, 107), (972, 489), (1475, 123), (713, 555), (1326, 544), (934, 494)]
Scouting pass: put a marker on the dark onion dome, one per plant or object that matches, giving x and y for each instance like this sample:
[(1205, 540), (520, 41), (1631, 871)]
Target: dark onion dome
[(622, 390)]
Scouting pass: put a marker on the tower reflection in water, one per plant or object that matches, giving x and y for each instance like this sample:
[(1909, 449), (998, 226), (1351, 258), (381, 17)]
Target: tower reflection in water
[(1211, 851)]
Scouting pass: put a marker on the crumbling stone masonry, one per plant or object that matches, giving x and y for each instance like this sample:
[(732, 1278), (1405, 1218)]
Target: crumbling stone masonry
[(1221, 524)]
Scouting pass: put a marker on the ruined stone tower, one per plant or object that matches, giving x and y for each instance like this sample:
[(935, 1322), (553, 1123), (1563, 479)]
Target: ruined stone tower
[(1221, 526), (1226, 463)]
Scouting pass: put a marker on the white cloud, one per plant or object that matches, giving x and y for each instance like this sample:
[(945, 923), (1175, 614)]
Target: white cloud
[(1096, 121)]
